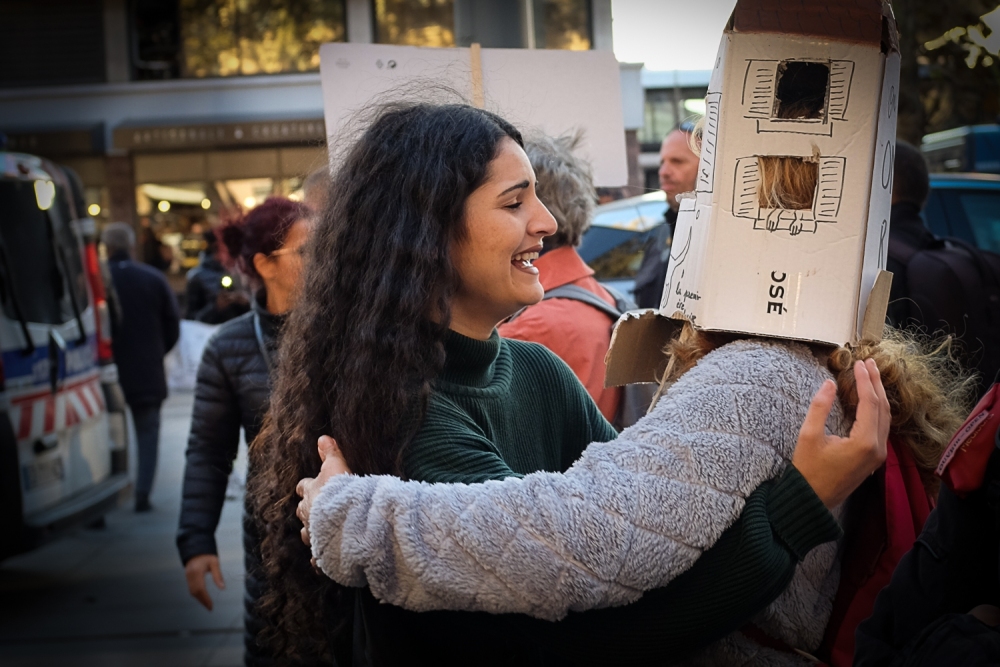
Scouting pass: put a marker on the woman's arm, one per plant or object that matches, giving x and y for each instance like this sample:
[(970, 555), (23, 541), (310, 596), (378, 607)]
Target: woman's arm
[(747, 569), (628, 517), (212, 447)]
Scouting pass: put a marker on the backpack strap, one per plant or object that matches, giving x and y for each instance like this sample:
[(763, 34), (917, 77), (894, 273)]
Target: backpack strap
[(577, 293), (901, 250), (623, 302), (905, 309)]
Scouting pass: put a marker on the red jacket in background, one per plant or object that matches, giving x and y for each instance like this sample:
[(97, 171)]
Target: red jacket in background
[(577, 333)]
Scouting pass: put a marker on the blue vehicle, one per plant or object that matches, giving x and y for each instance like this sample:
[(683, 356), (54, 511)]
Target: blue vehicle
[(65, 430), (966, 206), (972, 148)]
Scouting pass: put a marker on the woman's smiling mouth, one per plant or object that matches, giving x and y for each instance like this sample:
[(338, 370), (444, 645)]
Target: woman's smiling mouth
[(523, 261)]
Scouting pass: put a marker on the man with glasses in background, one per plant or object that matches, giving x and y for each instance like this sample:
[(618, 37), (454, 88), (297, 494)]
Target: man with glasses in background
[(678, 172)]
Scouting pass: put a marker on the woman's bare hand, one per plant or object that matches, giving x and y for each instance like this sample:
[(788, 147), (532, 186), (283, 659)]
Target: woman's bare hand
[(195, 571), (835, 466), (308, 487)]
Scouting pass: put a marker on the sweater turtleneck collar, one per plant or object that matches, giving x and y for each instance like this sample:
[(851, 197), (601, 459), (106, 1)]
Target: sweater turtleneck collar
[(470, 362), (270, 323)]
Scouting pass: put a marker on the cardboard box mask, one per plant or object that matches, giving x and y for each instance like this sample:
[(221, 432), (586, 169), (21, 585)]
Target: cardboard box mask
[(787, 231)]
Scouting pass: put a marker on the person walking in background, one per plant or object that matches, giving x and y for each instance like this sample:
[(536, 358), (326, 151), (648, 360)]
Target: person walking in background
[(578, 332), (232, 392), (941, 285), (149, 328), (678, 172), (213, 295)]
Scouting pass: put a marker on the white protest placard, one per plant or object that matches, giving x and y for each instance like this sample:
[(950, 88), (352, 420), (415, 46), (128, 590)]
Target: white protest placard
[(551, 91)]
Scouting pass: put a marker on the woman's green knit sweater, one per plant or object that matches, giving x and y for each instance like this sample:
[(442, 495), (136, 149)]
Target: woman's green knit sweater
[(504, 407), (501, 408)]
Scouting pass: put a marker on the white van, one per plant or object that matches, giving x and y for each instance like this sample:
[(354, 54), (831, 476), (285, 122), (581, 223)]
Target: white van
[(64, 426)]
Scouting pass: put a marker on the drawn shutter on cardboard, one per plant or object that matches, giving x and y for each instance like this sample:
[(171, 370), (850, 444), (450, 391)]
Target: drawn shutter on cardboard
[(829, 188), (710, 136), (758, 88), (746, 201), (841, 72)]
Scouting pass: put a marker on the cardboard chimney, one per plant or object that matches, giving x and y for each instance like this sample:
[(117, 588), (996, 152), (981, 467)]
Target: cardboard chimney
[(787, 232)]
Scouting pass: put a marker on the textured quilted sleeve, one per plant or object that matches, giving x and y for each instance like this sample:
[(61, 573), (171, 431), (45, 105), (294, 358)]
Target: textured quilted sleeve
[(628, 517)]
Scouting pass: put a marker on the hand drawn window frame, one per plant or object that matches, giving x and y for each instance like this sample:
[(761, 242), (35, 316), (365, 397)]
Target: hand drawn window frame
[(760, 85), (826, 199)]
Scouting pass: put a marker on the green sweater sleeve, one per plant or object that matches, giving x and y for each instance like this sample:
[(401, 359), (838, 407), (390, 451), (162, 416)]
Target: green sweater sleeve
[(742, 573)]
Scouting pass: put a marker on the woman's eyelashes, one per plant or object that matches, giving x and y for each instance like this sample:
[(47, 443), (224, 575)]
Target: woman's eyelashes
[(513, 206)]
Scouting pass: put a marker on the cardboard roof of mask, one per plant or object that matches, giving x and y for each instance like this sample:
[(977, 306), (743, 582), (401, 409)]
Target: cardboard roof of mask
[(786, 235)]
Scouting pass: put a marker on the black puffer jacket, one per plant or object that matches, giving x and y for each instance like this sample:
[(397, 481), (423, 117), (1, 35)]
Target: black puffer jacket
[(232, 391)]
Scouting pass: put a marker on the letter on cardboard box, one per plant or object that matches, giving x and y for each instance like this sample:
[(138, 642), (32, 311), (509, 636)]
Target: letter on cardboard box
[(549, 90), (813, 86)]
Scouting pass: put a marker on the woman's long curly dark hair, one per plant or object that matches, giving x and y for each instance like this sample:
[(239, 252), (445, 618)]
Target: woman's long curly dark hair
[(366, 336)]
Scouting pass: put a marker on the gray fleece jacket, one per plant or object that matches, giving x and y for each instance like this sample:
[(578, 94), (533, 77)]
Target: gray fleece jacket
[(629, 516)]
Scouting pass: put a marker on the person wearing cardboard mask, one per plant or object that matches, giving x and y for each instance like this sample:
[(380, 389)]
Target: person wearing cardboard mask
[(393, 350), (738, 358), (232, 389), (549, 544), (678, 170)]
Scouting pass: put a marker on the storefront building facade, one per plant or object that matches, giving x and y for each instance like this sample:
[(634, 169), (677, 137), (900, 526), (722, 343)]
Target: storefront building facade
[(173, 111)]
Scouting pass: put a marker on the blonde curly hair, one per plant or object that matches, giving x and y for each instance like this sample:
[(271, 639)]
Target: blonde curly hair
[(929, 392)]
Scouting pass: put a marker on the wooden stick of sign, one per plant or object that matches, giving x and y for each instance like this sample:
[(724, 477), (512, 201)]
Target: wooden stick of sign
[(475, 55)]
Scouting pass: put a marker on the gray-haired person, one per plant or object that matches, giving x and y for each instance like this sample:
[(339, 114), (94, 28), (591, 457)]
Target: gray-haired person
[(149, 327)]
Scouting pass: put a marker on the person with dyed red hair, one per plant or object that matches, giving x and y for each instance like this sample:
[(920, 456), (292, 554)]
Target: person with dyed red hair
[(267, 245)]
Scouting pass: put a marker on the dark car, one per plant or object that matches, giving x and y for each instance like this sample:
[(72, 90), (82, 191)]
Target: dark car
[(615, 243)]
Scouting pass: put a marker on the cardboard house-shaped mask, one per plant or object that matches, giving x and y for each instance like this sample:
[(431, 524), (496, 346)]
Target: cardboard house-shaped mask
[(787, 230)]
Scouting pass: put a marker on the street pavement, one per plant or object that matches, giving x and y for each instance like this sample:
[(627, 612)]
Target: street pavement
[(116, 597)]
